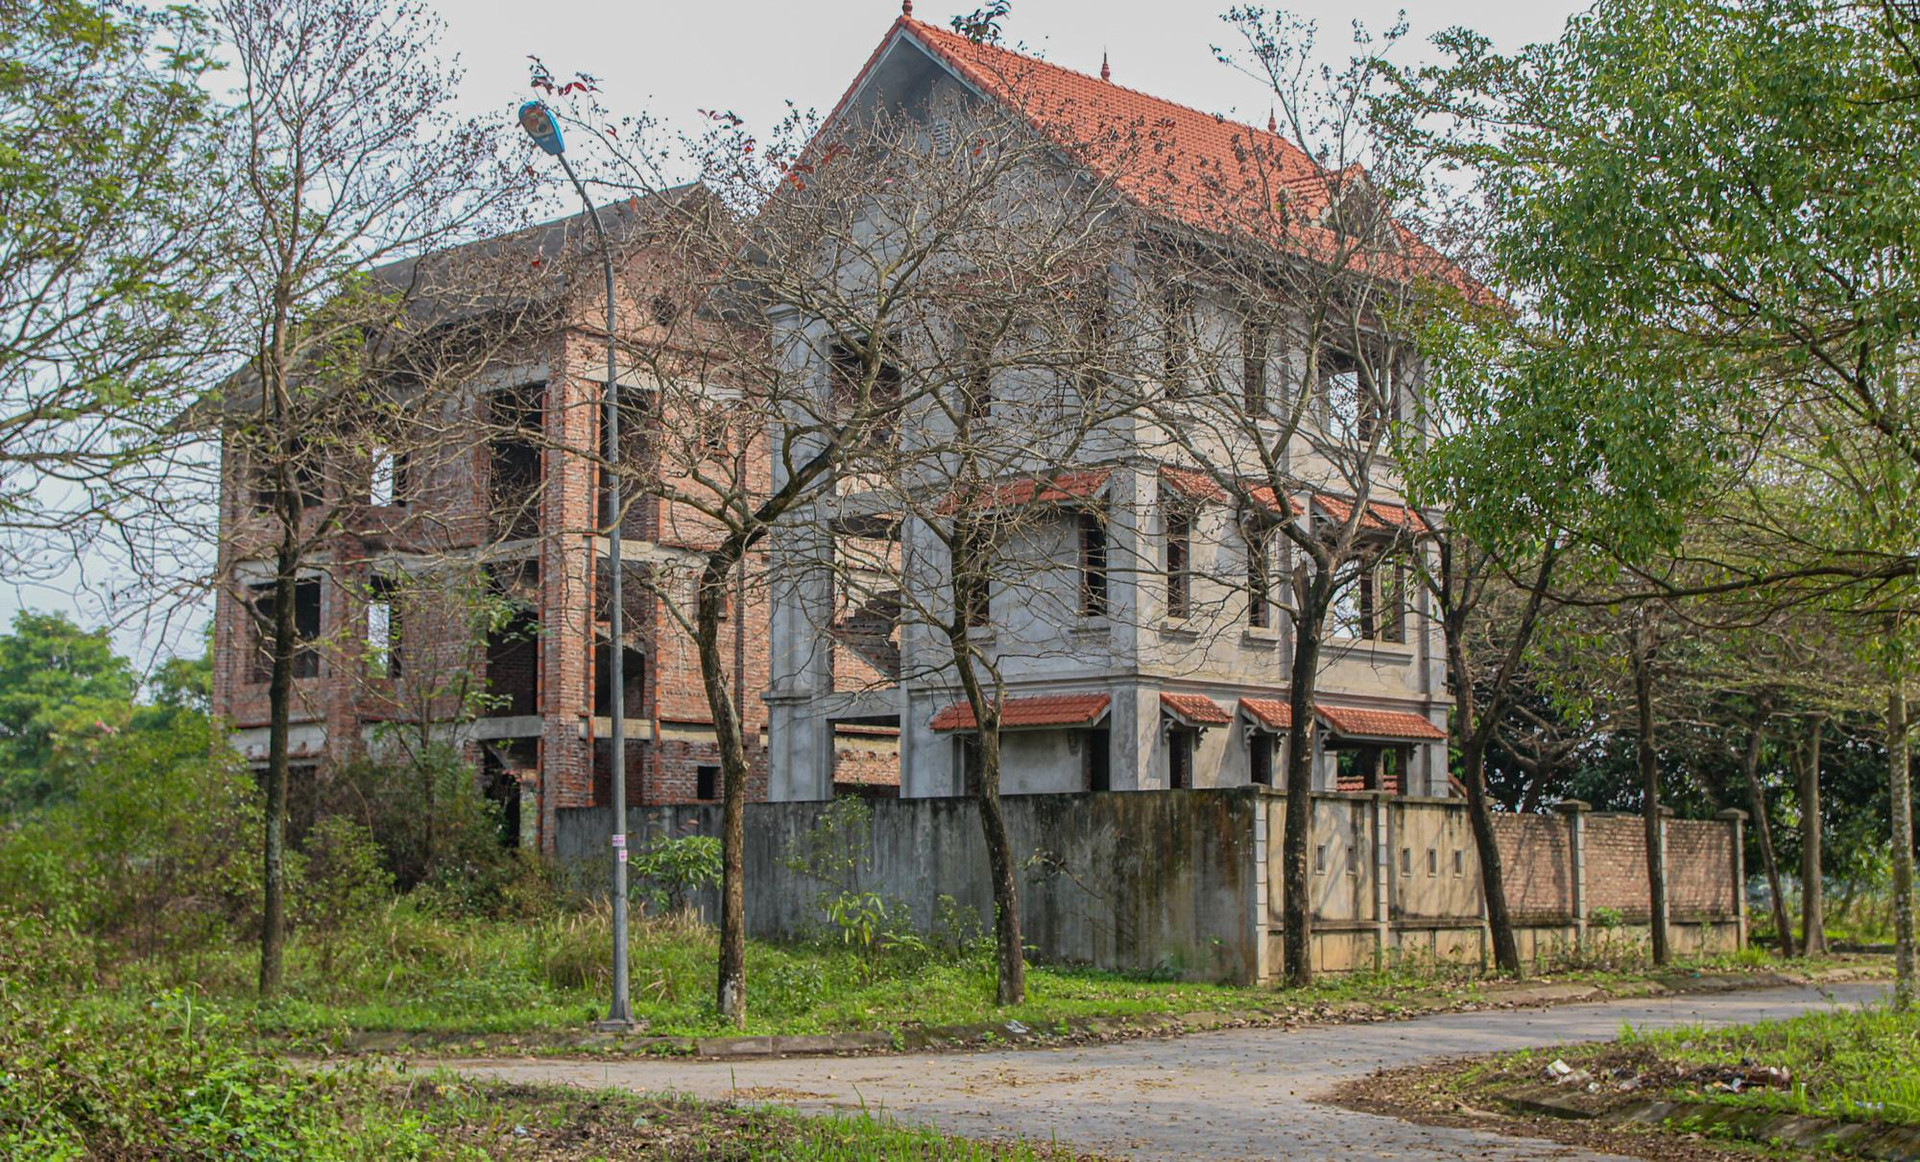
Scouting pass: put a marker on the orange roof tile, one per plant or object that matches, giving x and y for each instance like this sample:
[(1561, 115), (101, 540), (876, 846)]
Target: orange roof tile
[(1037, 710), (1065, 486), (1199, 168), (1380, 514), (1272, 713), (1395, 724), (1192, 485), (1197, 709)]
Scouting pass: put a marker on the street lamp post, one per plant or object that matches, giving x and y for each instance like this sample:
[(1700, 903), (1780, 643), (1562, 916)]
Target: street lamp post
[(540, 125)]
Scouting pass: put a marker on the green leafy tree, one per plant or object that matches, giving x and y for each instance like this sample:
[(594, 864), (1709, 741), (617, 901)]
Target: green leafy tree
[(51, 673), (109, 230)]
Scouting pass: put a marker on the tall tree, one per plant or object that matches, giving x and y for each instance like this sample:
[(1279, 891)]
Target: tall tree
[(346, 157)]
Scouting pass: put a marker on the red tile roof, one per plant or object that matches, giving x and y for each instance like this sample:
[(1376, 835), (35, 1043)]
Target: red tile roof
[(1063, 487), (1395, 724), (1192, 485), (1197, 709), (1380, 515), (1272, 713), (1037, 710), (1198, 168)]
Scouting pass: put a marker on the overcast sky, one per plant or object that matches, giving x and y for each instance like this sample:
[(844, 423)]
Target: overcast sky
[(674, 57)]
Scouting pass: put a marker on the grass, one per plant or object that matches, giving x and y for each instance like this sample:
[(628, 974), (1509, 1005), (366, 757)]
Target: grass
[(173, 1082), (410, 970), (1850, 1064), (1855, 1065)]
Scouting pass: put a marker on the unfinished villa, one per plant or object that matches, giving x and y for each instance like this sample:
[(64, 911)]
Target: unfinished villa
[(1087, 405)]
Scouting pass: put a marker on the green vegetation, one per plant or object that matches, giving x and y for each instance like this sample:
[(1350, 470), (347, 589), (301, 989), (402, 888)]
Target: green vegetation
[(1851, 1064)]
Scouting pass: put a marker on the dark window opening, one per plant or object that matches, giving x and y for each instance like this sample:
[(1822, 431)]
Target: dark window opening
[(637, 407), (970, 764), (1260, 759), (1093, 564), (633, 678), (1254, 341), (1259, 576), (306, 630), (1097, 758), (1371, 768), (514, 462), (706, 783), (1179, 562), (513, 666), (867, 398), (1180, 745), (303, 472)]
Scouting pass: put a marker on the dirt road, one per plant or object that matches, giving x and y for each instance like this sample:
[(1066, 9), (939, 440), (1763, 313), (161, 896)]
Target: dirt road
[(1244, 1093)]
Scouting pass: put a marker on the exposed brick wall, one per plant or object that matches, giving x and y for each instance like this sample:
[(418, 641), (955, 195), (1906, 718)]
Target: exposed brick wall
[(1616, 853), (448, 510), (1699, 868), (1536, 859)]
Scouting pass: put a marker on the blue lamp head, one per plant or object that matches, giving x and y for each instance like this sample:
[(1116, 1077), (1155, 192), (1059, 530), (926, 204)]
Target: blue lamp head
[(538, 121)]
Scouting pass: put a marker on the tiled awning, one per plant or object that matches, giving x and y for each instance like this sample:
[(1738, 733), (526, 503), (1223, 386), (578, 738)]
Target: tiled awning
[(1195, 486), (1380, 516), (1060, 488), (1274, 714), (1195, 710), (1039, 710), (1391, 725)]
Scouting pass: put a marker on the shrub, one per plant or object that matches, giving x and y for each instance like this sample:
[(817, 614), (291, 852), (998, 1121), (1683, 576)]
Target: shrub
[(676, 868), (342, 881), (154, 853)]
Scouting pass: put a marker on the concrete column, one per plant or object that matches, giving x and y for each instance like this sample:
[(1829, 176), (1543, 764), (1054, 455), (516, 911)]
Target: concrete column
[(1736, 821), (1576, 813), (1262, 970), (1382, 871)]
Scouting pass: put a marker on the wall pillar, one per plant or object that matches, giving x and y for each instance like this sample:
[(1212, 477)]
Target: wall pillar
[(1576, 813), (1382, 871), (1736, 821)]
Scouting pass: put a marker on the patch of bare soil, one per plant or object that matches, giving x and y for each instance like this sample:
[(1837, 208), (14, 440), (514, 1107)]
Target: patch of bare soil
[(1471, 1093), (542, 1123)]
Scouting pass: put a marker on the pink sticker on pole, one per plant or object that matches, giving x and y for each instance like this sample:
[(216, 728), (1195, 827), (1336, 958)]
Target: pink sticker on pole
[(620, 841)]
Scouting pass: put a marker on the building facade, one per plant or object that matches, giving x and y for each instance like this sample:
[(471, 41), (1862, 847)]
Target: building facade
[(1149, 640)]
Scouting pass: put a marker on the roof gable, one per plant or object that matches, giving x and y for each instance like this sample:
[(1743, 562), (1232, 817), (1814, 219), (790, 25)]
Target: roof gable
[(1199, 170)]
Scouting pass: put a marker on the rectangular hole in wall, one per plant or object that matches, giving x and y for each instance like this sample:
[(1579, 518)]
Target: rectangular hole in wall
[(1459, 862), (706, 783), (1406, 861), (1433, 861), (1320, 859)]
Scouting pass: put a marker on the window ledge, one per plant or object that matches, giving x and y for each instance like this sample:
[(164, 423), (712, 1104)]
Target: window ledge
[(1260, 635), (1180, 628)]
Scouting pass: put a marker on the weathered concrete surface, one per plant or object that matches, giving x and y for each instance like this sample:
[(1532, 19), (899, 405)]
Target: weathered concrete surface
[(1225, 1095), (1140, 883)]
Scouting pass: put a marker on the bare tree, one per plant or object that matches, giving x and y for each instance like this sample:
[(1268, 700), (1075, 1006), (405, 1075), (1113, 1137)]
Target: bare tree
[(346, 158)]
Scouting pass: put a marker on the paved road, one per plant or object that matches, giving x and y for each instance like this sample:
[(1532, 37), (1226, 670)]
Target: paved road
[(1243, 1093)]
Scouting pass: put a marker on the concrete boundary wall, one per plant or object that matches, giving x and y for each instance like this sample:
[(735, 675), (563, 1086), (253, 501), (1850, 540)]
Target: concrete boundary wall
[(1186, 883)]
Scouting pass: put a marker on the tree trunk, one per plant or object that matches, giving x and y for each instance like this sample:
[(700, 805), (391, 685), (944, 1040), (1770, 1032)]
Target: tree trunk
[(1649, 761), (1757, 801), (1297, 904), (1813, 919), (731, 986), (1493, 877), (273, 911), (1012, 975), (1898, 785), (1009, 951)]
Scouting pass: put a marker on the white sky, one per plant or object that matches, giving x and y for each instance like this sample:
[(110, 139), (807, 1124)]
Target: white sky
[(674, 57)]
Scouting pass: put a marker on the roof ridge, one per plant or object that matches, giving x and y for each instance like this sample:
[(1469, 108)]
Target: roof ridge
[(912, 24)]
